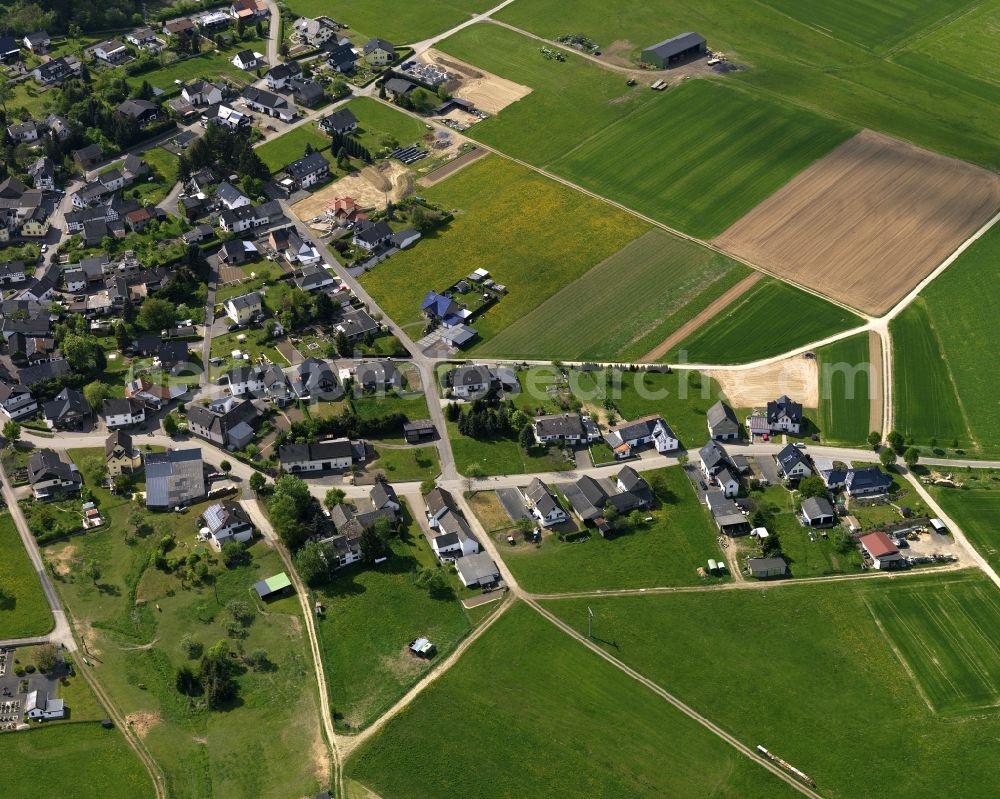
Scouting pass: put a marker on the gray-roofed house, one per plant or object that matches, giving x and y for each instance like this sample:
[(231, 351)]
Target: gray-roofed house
[(314, 379), (378, 52), (278, 76), (230, 196), (227, 422), (793, 463), (268, 103), (570, 428), (51, 476), (469, 380), (67, 410), (628, 436), (867, 482), (355, 324), (726, 514), (120, 455), (245, 59), (123, 412), (174, 478), (341, 122), (243, 308), (308, 170), (454, 540), (337, 455), (226, 521), (306, 91), (722, 422), (543, 504), (675, 50), (629, 481), (16, 401), (141, 111), (714, 459), (784, 415), (341, 57), (377, 376), (818, 512), (478, 570), (398, 87)]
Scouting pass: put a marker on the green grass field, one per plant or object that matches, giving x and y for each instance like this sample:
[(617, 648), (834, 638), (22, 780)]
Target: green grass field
[(396, 20), (845, 401), (949, 643), (208, 64), (805, 671), (668, 551), (532, 234), (726, 150), (976, 511), (501, 456), (942, 389), (769, 319), (412, 463), (546, 706), (377, 121), (23, 609), (78, 760), (280, 152), (625, 305), (927, 404), (371, 616), (136, 616), (857, 72)]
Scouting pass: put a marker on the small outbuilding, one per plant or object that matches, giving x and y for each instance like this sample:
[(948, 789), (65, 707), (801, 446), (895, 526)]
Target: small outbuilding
[(422, 648), (817, 512), (884, 553), (764, 568), (273, 587), (675, 50)]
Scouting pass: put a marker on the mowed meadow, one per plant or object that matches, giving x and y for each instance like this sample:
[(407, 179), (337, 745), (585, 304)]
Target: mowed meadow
[(24, 611), (547, 705), (845, 390), (944, 387), (696, 157), (809, 672), (624, 306), (531, 233)]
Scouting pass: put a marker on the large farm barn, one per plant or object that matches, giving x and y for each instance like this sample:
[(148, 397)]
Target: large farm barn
[(674, 51)]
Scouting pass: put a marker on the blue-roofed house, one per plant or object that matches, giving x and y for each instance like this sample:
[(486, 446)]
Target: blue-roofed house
[(444, 309)]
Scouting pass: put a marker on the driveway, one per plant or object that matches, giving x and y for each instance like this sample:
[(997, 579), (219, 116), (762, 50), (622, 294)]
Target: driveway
[(512, 502), (769, 468)]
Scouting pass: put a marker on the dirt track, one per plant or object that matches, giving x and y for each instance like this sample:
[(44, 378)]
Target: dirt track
[(702, 318), (489, 92), (875, 381), (452, 167), (866, 223), (797, 377)]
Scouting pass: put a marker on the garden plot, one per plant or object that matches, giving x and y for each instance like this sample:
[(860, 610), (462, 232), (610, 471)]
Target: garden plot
[(868, 222)]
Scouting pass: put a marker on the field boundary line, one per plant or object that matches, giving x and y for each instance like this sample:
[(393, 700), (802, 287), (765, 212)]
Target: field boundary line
[(686, 709), (899, 656)]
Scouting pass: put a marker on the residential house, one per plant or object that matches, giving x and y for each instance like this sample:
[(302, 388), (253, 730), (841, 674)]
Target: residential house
[(314, 379), (57, 70), (589, 497), (213, 21), (39, 707), (402, 239), (67, 411), (10, 51), (201, 92), (726, 514), (379, 52), (398, 87), (478, 570), (58, 126), (764, 568), (629, 436), (120, 456), (314, 277), (51, 476), (25, 132), (383, 496), (714, 458), (315, 32), (234, 252), (266, 102), (453, 540), (338, 455), (224, 522), (174, 478), (308, 170), (784, 415), (43, 174), (722, 423), (356, 324), (629, 481), (181, 28), (113, 51), (379, 376), (279, 75), (793, 463), (226, 116), (567, 428), (818, 512), (48, 370), (306, 91), (12, 272), (249, 217), (249, 10), (444, 309), (276, 387), (226, 422), (469, 381), (171, 353), (245, 307), (543, 504), (867, 482), (245, 59), (145, 38), (123, 412), (143, 112), (38, 43), (883, 553), (369, 235), (16, 401), (341, 57), (230, 197), (245, 380), (88, 157)]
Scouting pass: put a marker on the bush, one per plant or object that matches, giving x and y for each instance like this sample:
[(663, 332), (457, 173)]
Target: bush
[(191, 648)]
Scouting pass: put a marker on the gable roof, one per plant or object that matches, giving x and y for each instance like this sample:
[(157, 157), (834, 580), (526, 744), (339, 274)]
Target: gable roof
[(714, 456), (676, 44), (722, 416), (314, 162), (378, 44), (789, 457), (871, 477), (879, 545), (815, 507), (784, 406)]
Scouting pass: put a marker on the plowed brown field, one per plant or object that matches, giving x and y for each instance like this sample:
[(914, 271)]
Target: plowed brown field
[(868, 222)]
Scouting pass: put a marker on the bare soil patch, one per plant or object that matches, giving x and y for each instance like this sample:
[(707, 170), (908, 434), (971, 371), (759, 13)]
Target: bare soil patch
[(489, 92), (321, 760), (868, 222), (62, 560), (452, 167), (710, 311), (231, 274), (752, 387), (370, 188), (143, 721), (875, 381)]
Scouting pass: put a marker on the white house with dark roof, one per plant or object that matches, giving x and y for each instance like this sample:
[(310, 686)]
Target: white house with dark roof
[(245, 59), (112, 51), (50, 475), (477, 570), (121, 412), (308, 170), (784, 415), (628, 436), (16, 401), (268, 103), (336, 455), (569, 428), (226, 521), (469, 380), (39, 707), (818, 512), (867, 482), (231, 197), (341, 121), (543, 504), (793, 463)]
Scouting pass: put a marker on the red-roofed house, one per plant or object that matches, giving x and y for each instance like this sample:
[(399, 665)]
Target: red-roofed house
[(345, 209), (884, 553)]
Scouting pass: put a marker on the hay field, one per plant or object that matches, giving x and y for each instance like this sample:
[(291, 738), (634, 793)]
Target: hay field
[(866, 223)]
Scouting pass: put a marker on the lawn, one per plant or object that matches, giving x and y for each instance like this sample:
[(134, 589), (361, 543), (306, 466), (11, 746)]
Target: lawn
[(371, 615), (265, 273), (135, 616), (927, 403), (547, 705), (771, 318), (164, 168), (377, 120), (280, 152), (726, 150), (943, 387), (532, 234), (412, 403), (668, 551), (210, 65), (501, 456), (23, 609), (409, 463), (845, 402), (850, 73), (398, 21), (224, 345), (83, 760), (806, 671), (663, 281), (976, 511)]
